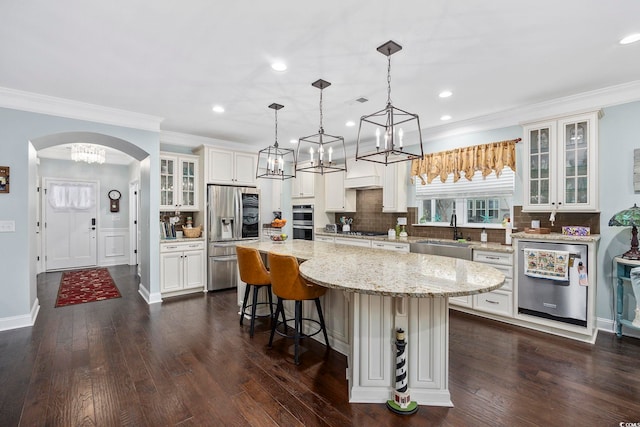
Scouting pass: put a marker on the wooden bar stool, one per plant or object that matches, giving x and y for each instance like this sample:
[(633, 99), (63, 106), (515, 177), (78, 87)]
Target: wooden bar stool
[(254, 274), (289, 285)]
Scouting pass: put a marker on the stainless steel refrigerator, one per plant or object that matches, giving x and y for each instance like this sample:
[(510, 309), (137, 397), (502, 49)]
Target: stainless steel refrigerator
[(233, 214)]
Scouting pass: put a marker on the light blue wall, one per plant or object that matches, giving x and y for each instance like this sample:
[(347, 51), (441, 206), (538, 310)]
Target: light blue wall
[(17, 129), (110, 177), (618, 138)]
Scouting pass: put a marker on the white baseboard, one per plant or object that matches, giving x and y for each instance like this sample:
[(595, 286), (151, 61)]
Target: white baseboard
[(22, 321), (606, 325), (150, 298), (609, 325)]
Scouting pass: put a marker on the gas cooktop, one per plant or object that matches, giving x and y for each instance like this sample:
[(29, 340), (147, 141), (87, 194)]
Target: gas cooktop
[(363, 233)]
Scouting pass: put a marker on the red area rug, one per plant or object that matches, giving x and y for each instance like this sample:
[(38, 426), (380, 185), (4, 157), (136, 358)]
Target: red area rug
[(80, 286)]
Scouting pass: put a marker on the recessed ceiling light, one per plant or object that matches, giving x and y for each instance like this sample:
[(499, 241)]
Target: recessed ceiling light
[(350, 123), (278, 66), (445, 94), (293, 141), (218, 109), (445, 117), (630, 39)]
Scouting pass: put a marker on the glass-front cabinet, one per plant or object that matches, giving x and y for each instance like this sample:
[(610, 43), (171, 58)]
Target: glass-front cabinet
[(561, 169), (178, 182), (167, 181)]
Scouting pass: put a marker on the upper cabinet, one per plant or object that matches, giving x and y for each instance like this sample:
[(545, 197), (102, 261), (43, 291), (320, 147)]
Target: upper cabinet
[(230, 167), (336, 197), (560, 168), (179, 182), (394, 187), (304, 185)]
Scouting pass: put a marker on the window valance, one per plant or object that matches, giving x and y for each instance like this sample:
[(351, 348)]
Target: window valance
[(465, 162)]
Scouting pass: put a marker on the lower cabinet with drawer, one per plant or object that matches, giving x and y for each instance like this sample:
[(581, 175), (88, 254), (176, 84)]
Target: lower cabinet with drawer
[(328, 239), (364, 243), (182, 268), (500, 301), (390, 246)]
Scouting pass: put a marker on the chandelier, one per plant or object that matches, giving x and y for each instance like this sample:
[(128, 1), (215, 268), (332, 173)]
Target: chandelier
[(381, 135), (87, 153), (273, 161), (320, 147)]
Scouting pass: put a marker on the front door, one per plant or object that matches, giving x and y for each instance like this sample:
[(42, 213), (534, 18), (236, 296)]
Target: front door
[(70, 209)]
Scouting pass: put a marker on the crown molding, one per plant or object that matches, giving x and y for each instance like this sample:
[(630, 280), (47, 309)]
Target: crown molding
[(582, 102), (44, 104), (194, 141)]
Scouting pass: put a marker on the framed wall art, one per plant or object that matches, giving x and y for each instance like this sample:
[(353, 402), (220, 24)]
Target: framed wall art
[(4, 179)]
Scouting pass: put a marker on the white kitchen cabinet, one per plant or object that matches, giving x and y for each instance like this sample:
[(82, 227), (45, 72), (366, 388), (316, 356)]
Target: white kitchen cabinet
[(182, 268), (363, 243), (179, 182), (304, 184), (500, 301), (231, 167), (394, 189), (336, 197), (390, 246), (561, 164), (328, 239)]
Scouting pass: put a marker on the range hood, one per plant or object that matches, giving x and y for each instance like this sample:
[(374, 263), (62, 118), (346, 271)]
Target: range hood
[(363, 175)]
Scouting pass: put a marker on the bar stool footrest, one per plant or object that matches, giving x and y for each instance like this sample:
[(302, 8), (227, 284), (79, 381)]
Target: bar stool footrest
[(302, 335)]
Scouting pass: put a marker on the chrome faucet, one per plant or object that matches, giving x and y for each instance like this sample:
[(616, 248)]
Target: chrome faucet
[(454, 224)]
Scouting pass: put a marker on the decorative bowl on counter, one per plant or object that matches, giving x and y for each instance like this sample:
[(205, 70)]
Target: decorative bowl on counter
[(278, 223), (278, 238)]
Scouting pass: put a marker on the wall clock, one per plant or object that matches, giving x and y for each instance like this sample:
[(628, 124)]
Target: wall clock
[(114, 199)]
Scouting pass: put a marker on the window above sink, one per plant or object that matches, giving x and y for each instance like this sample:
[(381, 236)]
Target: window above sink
[(480, 203)]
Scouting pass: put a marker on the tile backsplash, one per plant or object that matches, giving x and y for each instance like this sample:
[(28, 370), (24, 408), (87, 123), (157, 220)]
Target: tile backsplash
[(369, 217)]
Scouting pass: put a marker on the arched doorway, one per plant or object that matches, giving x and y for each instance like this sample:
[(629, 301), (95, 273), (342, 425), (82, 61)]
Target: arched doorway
[(143, 157)]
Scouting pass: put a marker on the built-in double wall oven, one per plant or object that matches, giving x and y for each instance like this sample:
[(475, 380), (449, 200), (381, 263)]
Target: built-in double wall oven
[(303, 222)]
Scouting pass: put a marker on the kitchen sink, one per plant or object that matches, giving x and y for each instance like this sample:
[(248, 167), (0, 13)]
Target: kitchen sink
[(451, 249)]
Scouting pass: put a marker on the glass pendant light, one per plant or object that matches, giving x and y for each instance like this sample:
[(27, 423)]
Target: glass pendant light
[(275, 162), (321, 153), (390, 135)]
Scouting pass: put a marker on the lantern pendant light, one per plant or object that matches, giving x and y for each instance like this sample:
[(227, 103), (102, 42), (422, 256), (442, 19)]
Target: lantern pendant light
[(321, 153), (390, 135), (275, 162)]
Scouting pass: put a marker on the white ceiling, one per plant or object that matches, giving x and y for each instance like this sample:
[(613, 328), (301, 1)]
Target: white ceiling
[(175, 60)]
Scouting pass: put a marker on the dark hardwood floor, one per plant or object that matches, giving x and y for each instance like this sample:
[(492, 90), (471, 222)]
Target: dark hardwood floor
[(188, 362)]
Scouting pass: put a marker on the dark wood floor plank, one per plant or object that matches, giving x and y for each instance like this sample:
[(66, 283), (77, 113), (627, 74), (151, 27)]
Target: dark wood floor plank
[(187, 362)]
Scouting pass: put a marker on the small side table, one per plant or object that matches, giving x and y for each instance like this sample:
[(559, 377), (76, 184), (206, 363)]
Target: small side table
[(623, 268)]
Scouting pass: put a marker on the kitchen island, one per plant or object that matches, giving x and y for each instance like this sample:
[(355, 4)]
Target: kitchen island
[(381, 292)]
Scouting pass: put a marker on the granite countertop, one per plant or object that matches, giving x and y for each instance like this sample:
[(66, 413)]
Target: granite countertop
[(183, 239), (379, 272), (476, 245), (556, 236)]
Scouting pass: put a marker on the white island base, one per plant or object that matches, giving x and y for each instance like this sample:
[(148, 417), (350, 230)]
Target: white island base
[(371, 294), (371, 363)]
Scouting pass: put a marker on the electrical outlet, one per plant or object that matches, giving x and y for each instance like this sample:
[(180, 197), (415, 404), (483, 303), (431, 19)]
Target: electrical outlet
[(402, 220)]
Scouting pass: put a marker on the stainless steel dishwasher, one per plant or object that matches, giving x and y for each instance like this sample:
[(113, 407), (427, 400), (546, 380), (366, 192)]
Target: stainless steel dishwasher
[(560, 300)]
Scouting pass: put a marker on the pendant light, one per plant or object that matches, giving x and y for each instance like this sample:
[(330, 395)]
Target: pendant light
[(273, 161), (390, 135), (321, 153)]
